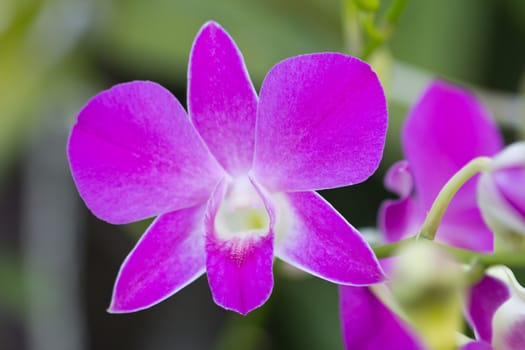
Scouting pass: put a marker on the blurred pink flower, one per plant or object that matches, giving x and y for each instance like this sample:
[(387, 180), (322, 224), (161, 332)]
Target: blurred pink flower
[(496, 311), (446, 129), (233, 184), (368, 324), (501, 191)]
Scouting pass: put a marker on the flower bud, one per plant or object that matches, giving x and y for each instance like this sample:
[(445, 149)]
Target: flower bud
[(508, 323), (428, 286), (501, 196)]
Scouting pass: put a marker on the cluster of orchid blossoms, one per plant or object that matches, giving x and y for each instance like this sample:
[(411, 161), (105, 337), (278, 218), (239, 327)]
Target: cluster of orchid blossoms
[(232, 185), (433, 287)]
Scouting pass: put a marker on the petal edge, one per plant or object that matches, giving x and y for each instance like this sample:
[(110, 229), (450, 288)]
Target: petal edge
[(321, 123), (321, 242), (134, 154), (169, 256)]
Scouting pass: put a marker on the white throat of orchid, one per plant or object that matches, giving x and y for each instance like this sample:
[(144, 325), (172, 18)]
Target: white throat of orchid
[(508, 321), (242, 212)]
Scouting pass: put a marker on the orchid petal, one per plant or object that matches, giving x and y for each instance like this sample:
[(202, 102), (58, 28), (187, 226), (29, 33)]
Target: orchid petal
[(399, 219), (497, 212), (500, 200), (369, 325), (239, 268), (477, 345), (511, 183), (509, 170), (134, 154), (514, 337), (399, 179), (511, 156), (222, 102), (320, 241), (464, 227), (321, 123), (485, 297), (508, 321), (443, 132), (169, 256)]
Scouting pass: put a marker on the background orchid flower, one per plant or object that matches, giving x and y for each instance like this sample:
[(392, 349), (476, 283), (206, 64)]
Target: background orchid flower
[(496, 311), (420, 307), (368, 324), (501, 192), (232, 184), (446, 129)]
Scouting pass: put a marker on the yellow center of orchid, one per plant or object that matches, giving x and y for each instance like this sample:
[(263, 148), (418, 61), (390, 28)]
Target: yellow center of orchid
[(242, 212)]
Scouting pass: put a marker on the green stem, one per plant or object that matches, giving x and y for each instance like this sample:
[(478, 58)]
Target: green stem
[(513, 259), (352, 31), (389, 250), (395, 10), (434, 216), (392, 15)]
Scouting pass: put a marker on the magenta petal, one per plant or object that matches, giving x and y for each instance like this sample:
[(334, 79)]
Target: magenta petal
[(321, 123), (506, 180), (499, 198), (444, 131), (508, 169), (515, 336), (399, 180), (477, 345), (463, 227), (484, 299), (169, 256), (221, 99), (320, 241), (240, 268), (134, 154), (369, 325), (399, 219), (240, 271)]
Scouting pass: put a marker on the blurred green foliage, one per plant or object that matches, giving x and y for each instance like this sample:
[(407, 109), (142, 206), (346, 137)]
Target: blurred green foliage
[(12, 288), (156, 36)]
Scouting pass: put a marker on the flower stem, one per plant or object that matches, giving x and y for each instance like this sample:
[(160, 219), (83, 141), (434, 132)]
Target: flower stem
[(389, 250), (516, 259), (352, 30), (379, 36), (395, 10), (434, 216)]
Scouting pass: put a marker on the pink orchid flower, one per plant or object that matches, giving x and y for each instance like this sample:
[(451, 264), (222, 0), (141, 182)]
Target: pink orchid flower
[(501, 192), (446, 129), (496, 311), (232, 183), (369, 324)]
